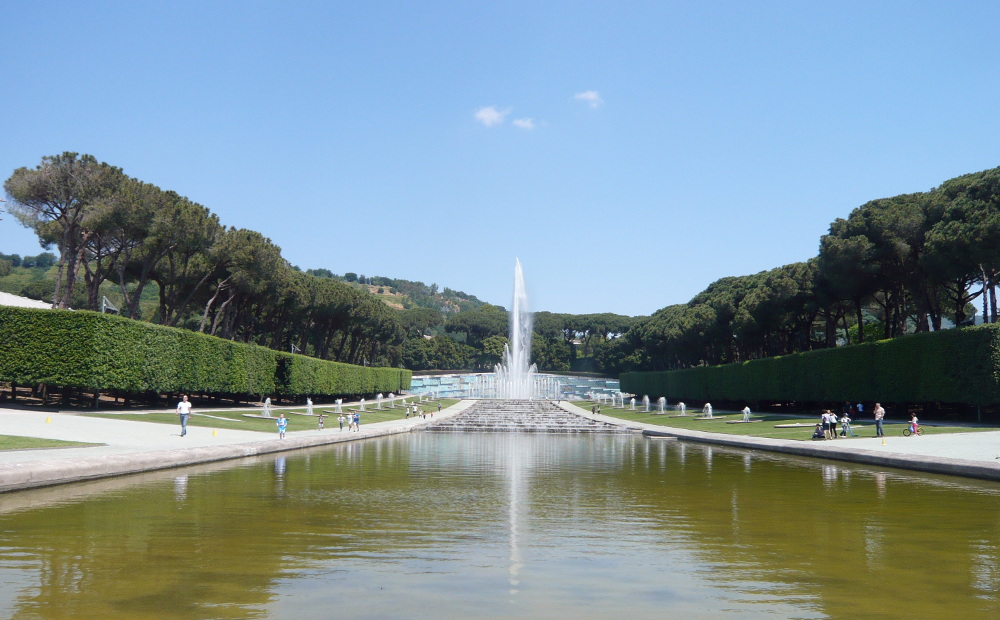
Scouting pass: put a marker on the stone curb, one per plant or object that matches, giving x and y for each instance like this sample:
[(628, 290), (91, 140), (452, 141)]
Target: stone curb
[(830, 451), (18, 476), (35, 474), (915, 462)]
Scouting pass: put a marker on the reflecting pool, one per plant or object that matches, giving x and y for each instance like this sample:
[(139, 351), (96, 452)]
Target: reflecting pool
[(441, 525)]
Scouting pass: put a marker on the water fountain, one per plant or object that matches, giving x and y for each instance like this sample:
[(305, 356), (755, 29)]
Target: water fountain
[(630, 402), (362, 403), (514, 375), (338, 403), (378, 397), (645, 403), (662, 404)]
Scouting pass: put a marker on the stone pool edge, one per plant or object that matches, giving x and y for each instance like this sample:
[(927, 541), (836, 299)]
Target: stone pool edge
[(914, 462), (965, 468), (46, 473)]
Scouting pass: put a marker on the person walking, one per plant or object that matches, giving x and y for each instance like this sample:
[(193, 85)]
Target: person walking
[(341, 420), (879, 416), (184, 411), (357, 422), (282, 423)]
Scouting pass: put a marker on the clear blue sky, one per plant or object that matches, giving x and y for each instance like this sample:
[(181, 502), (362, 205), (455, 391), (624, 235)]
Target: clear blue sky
[(629, 153)]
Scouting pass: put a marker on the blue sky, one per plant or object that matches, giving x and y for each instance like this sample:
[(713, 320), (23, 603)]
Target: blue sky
[(628, 153)]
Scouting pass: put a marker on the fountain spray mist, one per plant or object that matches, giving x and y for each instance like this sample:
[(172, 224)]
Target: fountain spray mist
[(515, 378)]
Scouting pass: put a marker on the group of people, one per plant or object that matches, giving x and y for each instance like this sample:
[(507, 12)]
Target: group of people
[(417, 411), (353, 421), (827, 427)]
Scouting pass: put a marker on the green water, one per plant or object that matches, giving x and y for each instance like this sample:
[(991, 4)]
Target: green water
[(501, 526)]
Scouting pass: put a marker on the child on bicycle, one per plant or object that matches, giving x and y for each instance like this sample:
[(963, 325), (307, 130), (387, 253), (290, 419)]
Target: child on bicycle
[(913, 423)]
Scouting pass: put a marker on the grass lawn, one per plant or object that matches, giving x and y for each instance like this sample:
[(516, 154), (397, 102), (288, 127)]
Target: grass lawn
[(863, 428), (12, 442), (230, 420)]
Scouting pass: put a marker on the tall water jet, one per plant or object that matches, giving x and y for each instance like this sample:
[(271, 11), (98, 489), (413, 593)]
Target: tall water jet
[(515, 378)]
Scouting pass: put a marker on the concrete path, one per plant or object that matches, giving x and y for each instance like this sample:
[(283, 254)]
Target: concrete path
[(974, 454), (132, 447)]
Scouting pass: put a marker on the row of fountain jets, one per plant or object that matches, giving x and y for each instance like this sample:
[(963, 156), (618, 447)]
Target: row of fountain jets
[(618, 400)]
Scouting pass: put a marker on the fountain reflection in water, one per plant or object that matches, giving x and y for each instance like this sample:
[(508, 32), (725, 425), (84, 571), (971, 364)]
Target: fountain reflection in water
[(514, 377)]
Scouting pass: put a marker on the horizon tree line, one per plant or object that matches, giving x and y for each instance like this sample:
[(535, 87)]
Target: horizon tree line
[(899, 265)]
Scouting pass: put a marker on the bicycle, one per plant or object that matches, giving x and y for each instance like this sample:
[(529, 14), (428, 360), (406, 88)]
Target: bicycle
[(909, 431)]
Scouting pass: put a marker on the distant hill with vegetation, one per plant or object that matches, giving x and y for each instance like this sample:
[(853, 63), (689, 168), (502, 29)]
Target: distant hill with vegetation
[(894, 266), (405, 294), (163, 258)]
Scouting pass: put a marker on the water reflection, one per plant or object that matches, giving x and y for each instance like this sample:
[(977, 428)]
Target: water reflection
[(495, 526), (180, 488)]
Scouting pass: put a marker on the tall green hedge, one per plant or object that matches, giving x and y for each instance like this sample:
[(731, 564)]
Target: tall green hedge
[(960, 366), (103, 352)]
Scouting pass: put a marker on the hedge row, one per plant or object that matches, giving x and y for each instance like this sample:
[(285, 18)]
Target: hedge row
[(959, 366), (105, 352)]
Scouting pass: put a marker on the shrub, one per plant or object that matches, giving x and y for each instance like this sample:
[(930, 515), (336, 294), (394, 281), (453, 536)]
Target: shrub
[(959, 366), (105, 352)]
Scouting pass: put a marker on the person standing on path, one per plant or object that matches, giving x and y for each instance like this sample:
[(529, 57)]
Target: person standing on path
[(341, 420), (879, 416), (184, 411), (828, 429), (357, 422), (845, 426), (282, 425)]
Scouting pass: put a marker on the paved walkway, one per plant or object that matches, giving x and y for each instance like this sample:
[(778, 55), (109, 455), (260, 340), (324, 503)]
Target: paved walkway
[(974, 454), (131, 447)]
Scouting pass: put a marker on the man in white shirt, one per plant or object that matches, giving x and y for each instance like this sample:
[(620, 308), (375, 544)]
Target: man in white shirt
[(879, 416), (184, 410)]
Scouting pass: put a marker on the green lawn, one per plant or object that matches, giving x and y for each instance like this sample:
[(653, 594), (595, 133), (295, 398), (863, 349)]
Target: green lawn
[(12, 442), (222, 419), (862, 428)]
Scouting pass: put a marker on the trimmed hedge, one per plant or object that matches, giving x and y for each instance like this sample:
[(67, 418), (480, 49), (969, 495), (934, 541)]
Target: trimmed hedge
[(105, 352), (959, 366)]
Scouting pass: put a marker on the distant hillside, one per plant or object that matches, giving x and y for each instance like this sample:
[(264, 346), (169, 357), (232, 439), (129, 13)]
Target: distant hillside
[(404, 294), (34, 277)]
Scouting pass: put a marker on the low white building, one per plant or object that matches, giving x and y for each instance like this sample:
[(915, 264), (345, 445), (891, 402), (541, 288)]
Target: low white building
[(6, 299)]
